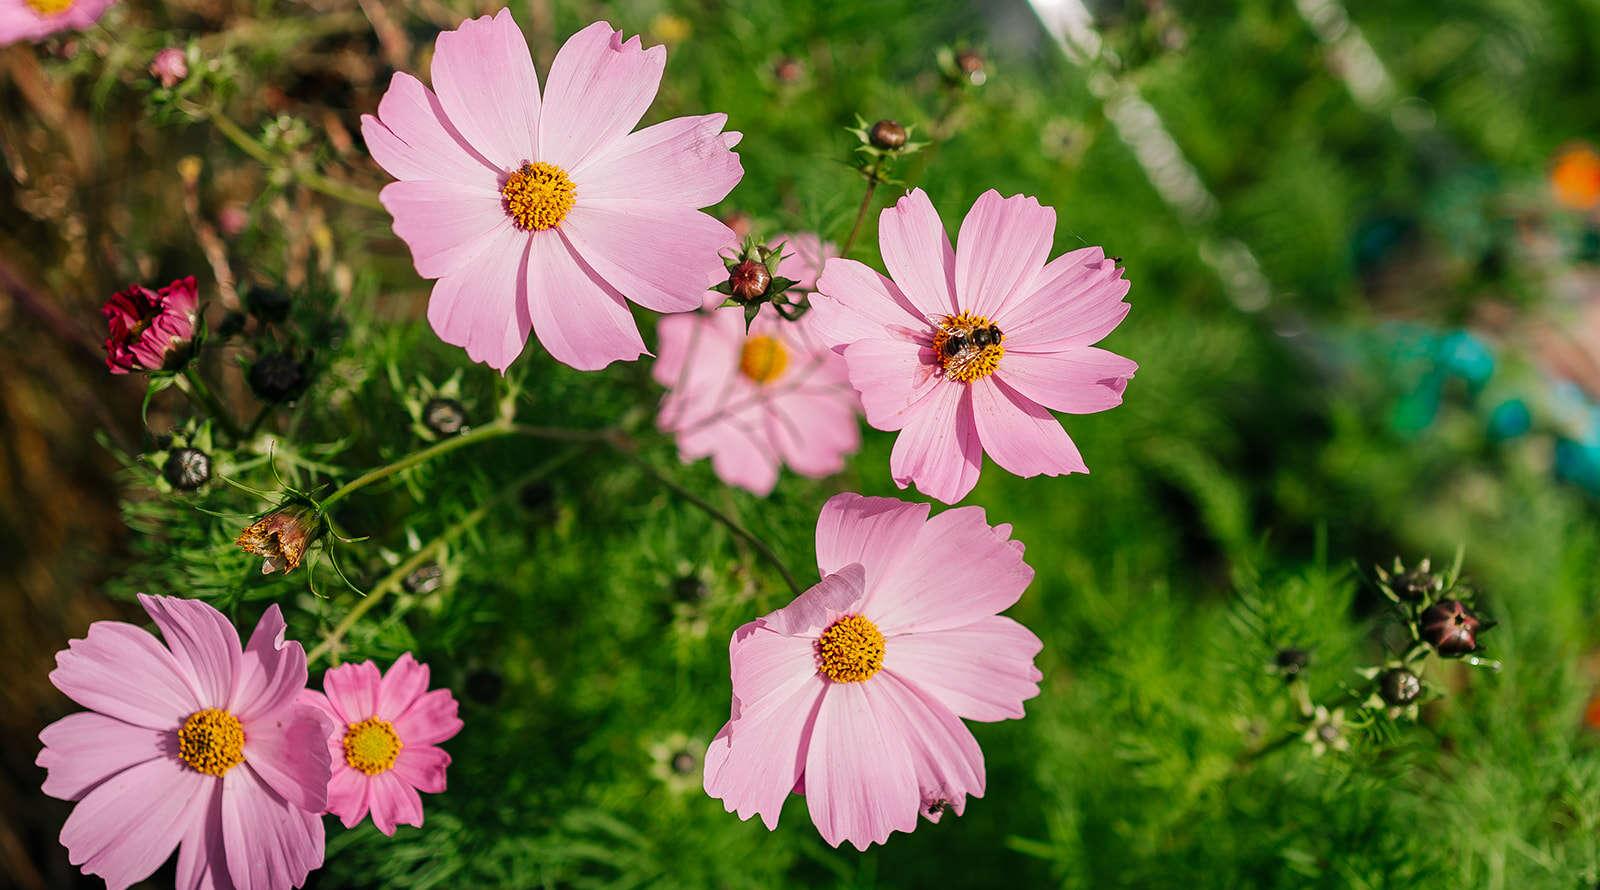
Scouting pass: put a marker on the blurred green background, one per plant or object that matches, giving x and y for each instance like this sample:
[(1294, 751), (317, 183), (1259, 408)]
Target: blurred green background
[(1362, 240)]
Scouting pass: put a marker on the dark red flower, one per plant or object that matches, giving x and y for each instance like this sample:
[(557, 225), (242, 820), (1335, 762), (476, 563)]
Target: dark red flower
[(151, 330)]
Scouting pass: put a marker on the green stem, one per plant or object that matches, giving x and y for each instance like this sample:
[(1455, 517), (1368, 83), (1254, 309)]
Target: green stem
[(309, 178), (861, 212), (203, 396)]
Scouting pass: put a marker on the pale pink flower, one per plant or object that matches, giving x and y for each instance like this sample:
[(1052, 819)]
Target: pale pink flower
[(169, 66), (197, 745), (546, 214), (37, 19), (968, 349), (853, 694), (384, 740), (754, 400), (151, 330)]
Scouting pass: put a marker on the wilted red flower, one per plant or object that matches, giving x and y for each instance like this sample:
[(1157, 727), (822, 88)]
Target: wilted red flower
[(281, 537), (151, 330)]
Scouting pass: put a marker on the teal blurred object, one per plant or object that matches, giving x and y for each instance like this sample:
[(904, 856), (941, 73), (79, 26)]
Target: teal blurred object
[(1579, 463), (1510, 419), (1464, 355)]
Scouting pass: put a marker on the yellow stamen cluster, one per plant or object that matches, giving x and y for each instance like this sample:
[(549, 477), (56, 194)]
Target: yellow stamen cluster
[(963, 359), (850, 650), (763, 359), (538, 196), (211, 741), (50, 7), (371, 746)]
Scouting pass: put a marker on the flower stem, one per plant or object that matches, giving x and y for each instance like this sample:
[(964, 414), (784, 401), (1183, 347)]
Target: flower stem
[(861, 212), (309, 178), (202, 395)]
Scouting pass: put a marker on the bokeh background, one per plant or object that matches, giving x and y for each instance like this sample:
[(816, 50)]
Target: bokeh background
[(1364, 241)]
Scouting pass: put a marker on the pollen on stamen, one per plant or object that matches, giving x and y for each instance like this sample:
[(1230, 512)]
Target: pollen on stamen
[(763, 359), (538, 196), (211, 741), (968, 347), (50, 7), (850, 650), (371, 746)]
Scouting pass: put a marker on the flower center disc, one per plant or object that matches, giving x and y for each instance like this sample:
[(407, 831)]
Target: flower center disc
[(50, 7), (850, 650), (371, 746), (211, 741), (763, 359), (967, 346), (538, 196)]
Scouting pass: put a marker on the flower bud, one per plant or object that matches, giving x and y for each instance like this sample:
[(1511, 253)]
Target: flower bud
[(444, 417), (1399, 687), (281, 537), (1418, 583), (268, 303), (788, 70), (749, 280), (1291, 662), (278, 377), (169, 67), (151, 330), (970, 61), (887, 135), (186, 469), (1450, 627)]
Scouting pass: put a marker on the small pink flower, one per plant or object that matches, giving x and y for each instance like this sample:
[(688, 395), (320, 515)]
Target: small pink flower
[(853, 694), (151, 330), (383, 738), (35, 20), (169, 66), (754, 400), (197, 745), (546, 214), (232, 219), (968, 349)]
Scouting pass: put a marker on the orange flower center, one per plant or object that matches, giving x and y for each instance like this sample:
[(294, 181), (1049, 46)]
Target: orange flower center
[(968, 346), (371, 746), (538, 196), (763, 358), (211, 741), (50, 7), (850, 650)]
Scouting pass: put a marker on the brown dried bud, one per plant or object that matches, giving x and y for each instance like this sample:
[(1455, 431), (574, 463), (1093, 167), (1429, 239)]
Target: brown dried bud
[(281, 537), (887, 135), (186, 469), (970, 61), (1450, 627), (749, 280), (444, 417)]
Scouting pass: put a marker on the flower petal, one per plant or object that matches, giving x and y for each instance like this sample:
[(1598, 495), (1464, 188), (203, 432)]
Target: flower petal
[(860, 784), (402, 684), (203, 643), (1077, 380), (1001, 249), (430, 720), (202, 854), (273, 671), (814, 429), (84, 749), (754, 771), (486, 83), (445, 224), (352, 689), (121, 671), (288, 749), (270, 843), (349, 795), (853, 303), (686, 161), (1020, 435), (875, 532), (958, 571), (130, 823), (766, 666), (412, 139), (917, 253), (938, 449), (894, 378), (944, 755), (982, 671), (1075, 301), (482, 307), (579, 319), (598, 89), (815, 609), (422, 767), (393, 803), (658, 255)]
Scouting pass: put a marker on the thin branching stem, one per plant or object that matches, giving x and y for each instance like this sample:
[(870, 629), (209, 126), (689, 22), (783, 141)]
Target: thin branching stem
[(861, 212), (195, 387), (311, 179)]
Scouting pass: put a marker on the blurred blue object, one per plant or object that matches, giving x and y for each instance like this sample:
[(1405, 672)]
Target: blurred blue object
[(1578, 463), (1510, 419), (1464, 355)]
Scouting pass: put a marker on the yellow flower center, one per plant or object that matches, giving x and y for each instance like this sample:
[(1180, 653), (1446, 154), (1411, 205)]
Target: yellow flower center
[(763, 358), (211, 741), (371, 746), (850, 650), (50, 7), (968, 346), (538, 196)]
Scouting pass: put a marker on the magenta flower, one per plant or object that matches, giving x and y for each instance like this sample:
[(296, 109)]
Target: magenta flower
[(383, 737), (752, 400), (547, 214), (968, 350), (853, 694), (169, 66), (197, 745), (151, 330), (37, 19)]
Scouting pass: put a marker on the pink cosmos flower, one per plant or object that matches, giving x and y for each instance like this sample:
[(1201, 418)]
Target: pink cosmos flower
[(546, 213), (968, 350), (197, 745), (853, 694), (383, 738), (754, 400), (151, 330), (169, 66), (37, 19)]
